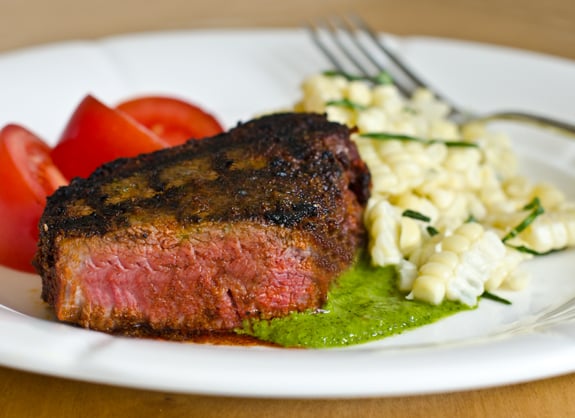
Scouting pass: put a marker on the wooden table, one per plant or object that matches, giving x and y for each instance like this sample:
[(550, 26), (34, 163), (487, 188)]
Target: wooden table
[(544, 25)]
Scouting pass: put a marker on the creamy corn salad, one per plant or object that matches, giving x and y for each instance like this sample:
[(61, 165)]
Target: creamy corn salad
[(448, 207)]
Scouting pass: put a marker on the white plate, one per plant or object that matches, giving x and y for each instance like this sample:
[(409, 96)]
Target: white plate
[(238, 74)]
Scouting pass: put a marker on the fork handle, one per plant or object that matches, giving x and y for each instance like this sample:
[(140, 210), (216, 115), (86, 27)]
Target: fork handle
[(537, 120)]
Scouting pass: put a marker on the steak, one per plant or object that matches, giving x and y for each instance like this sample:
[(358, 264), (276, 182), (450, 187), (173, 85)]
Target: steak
[(253, 223)]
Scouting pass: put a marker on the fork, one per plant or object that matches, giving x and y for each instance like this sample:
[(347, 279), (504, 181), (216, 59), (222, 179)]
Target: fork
[(351, 40)]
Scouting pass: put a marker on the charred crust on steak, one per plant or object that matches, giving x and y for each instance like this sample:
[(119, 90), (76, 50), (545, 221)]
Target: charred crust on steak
[(298, 175), (286, 189)]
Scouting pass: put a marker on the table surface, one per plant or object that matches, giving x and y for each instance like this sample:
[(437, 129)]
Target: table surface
[(543, 26)]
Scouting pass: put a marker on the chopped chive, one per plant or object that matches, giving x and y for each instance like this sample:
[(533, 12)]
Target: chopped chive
[(470, 219), (527, 250), (382, 77), (491, 296), (385, 136), (536, 210), (345, 103), (454, 144), (408, 213), (347, 76)]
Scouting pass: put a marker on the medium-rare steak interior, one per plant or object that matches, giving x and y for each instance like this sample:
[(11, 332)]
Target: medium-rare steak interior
[(253, 223)]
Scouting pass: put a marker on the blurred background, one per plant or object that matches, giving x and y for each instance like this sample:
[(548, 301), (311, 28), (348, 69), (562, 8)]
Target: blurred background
[(540, 25)]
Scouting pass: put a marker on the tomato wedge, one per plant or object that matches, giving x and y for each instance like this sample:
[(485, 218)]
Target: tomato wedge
[(96, 134), (172, 119), (28, 177)]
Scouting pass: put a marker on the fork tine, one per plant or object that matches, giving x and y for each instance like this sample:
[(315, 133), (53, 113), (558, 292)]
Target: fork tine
[(387, 51), (353, 33), (335, 30), (392, 56), (315, 36), (332, 30)]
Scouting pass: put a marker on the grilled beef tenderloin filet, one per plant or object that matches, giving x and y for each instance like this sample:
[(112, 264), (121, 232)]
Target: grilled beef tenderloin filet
[(253, 223)]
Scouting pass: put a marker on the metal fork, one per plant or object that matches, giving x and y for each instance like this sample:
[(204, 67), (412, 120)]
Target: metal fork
[(351, 45)]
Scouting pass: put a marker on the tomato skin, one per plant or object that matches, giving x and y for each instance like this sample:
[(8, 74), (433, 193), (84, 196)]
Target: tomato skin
[(96, 134), (174, 120), (28, 176)]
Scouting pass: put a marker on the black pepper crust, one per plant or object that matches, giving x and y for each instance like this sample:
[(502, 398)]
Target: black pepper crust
[(267, 169)]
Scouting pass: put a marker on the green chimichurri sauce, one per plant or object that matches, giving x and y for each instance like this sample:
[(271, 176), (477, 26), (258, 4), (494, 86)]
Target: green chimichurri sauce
[(364, 306)]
